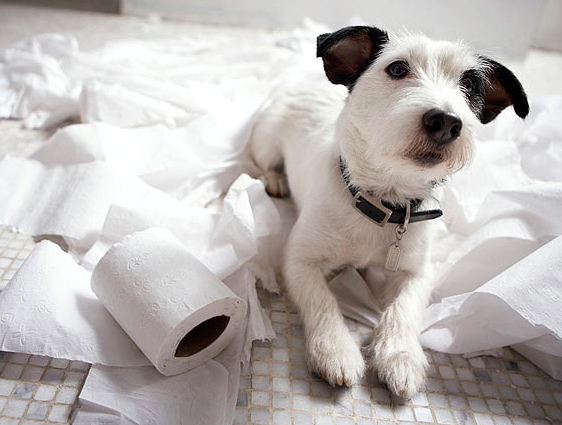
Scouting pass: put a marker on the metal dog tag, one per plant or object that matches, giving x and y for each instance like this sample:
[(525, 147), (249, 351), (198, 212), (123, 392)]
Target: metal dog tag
[(394, 251), (393, 257)]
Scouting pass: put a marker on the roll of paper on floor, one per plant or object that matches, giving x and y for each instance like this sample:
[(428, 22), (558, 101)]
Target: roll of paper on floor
[(177, 311)]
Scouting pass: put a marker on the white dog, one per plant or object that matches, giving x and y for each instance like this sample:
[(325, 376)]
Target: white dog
[(359, 168)]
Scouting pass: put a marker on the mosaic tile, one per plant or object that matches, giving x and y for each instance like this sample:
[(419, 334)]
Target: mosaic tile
[(302, 402), (438, 400), (240, 416), (37, 410), (362, 409), (344, 421), (515, 408), (496, 406), (483, 419), (434, 385), (32, 373), (444, 416), (322, 420), (420, 399), (7, 387), (260, 398), (281, 400), (344, 407), (15, 408), (382, 411), (47, 393), (24, 390), (12, 371), (39, 360), (260, 416), (464, 417), (60, 413), (322, 406), (52, 376), (501, 420), (281, 384), (423, 414), (302, 418), (404, 413), (553, 412), (260, 382), (282, 417), (490, 390)]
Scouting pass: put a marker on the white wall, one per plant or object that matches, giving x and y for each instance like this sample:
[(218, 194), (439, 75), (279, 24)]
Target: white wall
[(504, 26), (549, 32)]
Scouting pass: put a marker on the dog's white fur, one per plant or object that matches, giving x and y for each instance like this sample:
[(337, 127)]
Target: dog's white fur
[(305, 130)]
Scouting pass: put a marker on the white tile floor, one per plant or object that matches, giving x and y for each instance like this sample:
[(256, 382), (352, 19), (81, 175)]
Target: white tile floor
[(276, 389)]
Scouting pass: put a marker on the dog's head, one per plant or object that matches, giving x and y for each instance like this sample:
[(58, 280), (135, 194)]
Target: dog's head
[(414, 103)]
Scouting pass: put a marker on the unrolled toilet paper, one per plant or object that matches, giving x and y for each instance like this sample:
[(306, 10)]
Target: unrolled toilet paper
[(177, 312)]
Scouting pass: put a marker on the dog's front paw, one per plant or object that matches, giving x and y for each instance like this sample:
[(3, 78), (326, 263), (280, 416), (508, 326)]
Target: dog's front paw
[(335, 357), (403, 371)]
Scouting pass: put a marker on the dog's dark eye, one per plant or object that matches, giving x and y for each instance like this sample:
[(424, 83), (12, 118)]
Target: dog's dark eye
[(398, 69), (468, 84)]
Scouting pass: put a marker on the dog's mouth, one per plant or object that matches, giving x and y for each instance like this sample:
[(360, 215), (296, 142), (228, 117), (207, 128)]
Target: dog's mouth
[(429, 159), (425, 153)]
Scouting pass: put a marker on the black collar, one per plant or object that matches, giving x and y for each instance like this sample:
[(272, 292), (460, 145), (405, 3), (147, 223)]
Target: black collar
[(381, 211)]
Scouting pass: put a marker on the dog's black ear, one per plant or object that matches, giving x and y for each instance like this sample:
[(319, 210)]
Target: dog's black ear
[(348, 52), (502, 90)]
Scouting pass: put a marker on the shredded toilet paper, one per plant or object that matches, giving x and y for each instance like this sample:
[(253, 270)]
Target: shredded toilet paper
[(71, 201), (205, 395), (114, 395), (514, 307), (79, 144), (49, 309), (162, 144)]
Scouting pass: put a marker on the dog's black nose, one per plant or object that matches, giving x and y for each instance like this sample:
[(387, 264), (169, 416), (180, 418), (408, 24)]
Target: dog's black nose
[(442, 127)]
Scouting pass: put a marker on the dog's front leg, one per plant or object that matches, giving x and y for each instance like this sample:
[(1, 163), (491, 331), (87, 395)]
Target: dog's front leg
[(397, 355), (332, 352)]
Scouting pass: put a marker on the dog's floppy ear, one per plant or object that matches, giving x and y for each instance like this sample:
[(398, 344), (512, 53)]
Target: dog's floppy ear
[(348, 52), (502, 90)]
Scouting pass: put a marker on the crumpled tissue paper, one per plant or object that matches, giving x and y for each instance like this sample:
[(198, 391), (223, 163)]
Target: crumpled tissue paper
[(514, 307), (71, 201), (49, 309), (112, 396)]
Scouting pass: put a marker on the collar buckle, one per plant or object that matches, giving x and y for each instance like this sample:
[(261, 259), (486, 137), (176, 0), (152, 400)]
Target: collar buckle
[(362, 198)]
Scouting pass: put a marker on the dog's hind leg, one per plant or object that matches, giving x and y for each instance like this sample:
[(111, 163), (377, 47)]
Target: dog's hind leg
[(266, 151), (276, 182)]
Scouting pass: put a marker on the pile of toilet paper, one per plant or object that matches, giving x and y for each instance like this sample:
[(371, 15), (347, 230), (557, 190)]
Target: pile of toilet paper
[(160, 152), (159, 161)]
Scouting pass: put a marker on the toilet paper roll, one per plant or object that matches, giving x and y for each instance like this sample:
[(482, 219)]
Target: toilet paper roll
[(177, 311)]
